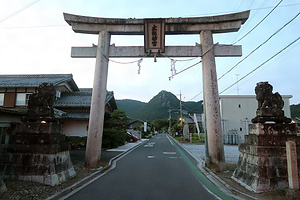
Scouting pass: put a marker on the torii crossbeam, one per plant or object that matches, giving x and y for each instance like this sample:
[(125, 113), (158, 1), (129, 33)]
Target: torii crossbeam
[(205, 26)]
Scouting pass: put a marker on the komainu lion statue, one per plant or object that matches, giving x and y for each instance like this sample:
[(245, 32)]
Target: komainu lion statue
[(269, 105), (40, 104)]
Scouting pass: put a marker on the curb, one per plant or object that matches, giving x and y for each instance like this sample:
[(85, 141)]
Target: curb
[(92, 177), (222, 185)]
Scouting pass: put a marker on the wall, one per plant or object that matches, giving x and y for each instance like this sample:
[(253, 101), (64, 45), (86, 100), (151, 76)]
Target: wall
[(238, 110), (75, 128)]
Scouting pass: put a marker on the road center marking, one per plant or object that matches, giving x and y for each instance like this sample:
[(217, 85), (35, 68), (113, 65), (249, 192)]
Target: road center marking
[(149, 144), (169, 153)]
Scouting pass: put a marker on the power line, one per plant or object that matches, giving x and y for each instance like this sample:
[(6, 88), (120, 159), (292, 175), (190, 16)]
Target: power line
[(28, 27), (196, 95), (253, 14), (260, 8), (262, 64), (259, 46), (258, 23), (20, 10), (186, 68), (253, 51)]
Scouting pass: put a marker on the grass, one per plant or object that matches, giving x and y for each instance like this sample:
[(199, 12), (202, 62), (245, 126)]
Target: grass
[(195, 138)]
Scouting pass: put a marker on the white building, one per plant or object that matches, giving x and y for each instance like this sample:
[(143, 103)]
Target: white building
[(237, 112)]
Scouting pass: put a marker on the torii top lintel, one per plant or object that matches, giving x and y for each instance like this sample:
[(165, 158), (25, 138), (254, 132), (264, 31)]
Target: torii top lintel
[(120, 26)]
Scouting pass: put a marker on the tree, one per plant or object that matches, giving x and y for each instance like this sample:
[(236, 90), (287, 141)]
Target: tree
[(162, 124), (295, 110), (177, 128), (114, 133)]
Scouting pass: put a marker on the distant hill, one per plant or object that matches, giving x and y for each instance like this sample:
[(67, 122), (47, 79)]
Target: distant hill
[(129, 105), (295, 110), (158, 107)]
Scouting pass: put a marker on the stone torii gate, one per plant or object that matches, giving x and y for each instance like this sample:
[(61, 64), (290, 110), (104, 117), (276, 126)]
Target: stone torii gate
[(155, 31)]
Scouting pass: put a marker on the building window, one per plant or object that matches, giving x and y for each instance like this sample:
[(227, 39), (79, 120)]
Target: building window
[(22, 99), (1, 99)]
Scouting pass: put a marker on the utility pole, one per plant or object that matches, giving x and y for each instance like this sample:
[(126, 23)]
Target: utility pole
[(180, 108), (170, 122), (237, 84)]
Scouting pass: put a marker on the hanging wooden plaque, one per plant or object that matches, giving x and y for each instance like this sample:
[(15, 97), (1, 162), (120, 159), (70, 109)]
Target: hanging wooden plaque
[(154, 35)]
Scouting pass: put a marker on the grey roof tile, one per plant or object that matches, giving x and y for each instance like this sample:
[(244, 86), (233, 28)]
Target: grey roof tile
[(34, 80), (81, 98)]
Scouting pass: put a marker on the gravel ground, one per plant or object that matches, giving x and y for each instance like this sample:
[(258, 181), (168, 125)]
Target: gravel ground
[(30, 190), (25, 190)]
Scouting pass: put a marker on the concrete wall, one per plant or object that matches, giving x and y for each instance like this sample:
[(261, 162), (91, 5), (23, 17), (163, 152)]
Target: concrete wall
[(238, 110), (75, 128)]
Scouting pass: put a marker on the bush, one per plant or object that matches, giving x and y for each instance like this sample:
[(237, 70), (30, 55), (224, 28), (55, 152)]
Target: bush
[(76, 142), (114, 133)]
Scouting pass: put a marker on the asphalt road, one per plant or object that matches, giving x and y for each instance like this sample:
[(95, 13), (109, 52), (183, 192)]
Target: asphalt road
[(158, 169)]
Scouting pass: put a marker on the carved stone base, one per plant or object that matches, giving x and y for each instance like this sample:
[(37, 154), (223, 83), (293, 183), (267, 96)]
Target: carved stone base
[(265, 119), (262, 164), (37, 152)]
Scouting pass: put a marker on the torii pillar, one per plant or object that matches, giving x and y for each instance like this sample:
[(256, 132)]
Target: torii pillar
[(96, 121), (216, 158), (205, 26)]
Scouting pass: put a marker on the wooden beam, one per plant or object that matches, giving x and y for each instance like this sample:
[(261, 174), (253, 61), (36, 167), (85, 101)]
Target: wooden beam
[(170, 51)]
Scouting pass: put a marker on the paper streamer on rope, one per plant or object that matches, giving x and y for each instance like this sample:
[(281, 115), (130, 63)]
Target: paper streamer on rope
[(173, 69), (139, 65)]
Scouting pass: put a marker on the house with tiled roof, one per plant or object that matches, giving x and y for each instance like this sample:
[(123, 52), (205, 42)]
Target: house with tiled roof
[(296, 121), (71, 105), (76, 108)]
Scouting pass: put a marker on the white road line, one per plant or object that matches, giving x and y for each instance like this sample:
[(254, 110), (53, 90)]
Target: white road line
[(169, 153), (170, 140)]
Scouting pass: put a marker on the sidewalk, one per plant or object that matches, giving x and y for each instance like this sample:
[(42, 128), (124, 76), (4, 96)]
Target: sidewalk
[(127, 146), (198, 150), (223, 179), (78, 155)]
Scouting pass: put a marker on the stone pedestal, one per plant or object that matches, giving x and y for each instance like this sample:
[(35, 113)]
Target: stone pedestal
[(262, 164), (37, 152)]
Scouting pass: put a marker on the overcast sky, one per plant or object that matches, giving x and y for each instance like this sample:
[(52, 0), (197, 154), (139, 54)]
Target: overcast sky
[(35, 39)]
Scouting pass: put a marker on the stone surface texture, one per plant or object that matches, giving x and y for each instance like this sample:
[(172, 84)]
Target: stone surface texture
[(37, 152), (262, 164)]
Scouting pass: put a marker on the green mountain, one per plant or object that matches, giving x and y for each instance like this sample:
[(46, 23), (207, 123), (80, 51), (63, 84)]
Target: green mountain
[(158, 107), (129, 105), (295, 110)]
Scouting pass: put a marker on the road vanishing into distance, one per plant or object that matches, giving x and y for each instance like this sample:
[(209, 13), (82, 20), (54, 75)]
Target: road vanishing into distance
[(157, 169)]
